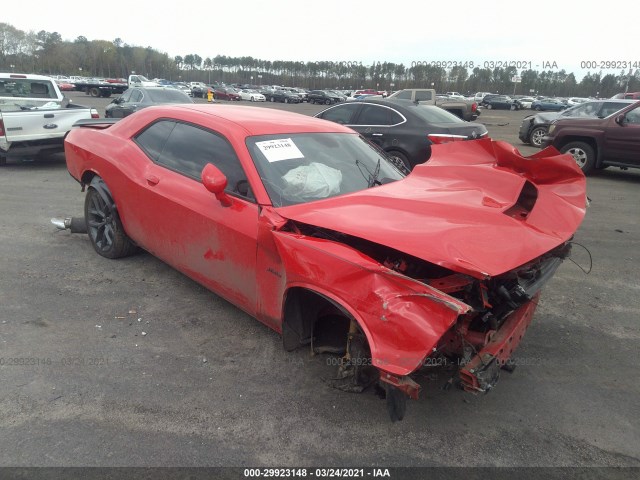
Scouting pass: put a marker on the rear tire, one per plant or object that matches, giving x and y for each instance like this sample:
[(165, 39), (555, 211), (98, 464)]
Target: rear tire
[(400, 161), (103, 225), (327, 102), (489, 106), (583, 154)]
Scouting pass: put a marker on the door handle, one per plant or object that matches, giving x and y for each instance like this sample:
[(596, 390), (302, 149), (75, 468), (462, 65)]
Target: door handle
[(152, 180), (376, 134)]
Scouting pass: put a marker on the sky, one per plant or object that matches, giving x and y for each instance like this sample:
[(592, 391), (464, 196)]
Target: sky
[(558, 34)]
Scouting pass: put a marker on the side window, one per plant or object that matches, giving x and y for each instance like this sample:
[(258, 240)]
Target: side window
[(189, 148), (126, 96), (632, 117), (421, 96), (136, 96), (342, 114), (153, 138), (375, 115)]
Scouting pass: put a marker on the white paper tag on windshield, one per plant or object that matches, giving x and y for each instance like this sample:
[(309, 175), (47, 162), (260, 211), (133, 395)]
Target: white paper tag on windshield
[(281, 149)]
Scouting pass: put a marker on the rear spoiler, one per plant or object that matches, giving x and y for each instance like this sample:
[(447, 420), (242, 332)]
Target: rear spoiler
[(98, 123)]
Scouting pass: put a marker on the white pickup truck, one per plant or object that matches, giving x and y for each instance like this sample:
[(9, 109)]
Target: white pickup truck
[(35, 116)]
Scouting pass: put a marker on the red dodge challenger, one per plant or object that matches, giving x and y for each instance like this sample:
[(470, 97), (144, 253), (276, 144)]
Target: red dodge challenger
[(306, 226)]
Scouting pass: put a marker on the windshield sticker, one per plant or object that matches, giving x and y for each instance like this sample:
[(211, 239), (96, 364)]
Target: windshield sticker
[(281, 149)]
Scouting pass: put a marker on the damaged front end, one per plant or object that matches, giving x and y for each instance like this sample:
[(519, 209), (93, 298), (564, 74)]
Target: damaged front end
[(442, 268), (409, 313)]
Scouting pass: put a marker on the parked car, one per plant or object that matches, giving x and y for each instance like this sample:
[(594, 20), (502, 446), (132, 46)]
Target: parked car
[(305, 226), (597, 143), (466, 109), (488, 97), (65, 85), (478, 97), (137, 98), (524, 102), (322, 96), (251, 95), (534, 127), (200, 89), (283, 96), (553, 104), (226, 93), (401, 127), (501, 102), (183, 87), (572, 101)]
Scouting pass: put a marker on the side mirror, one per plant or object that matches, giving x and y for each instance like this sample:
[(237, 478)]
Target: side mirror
[(215, 181), (620, 119)]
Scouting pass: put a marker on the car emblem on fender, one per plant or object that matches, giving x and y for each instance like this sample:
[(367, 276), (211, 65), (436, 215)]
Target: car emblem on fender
[(50, 126)]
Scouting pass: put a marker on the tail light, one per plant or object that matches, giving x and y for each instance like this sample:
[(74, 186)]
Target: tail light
[(94, 113), (474, 107), (438, 138), (1, 128)]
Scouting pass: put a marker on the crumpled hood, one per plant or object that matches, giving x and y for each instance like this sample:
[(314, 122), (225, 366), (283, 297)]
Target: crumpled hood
[(546, 117), (456, 210)]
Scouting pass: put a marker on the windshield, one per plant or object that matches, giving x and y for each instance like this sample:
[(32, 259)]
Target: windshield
[(583, 110), (303, 167)]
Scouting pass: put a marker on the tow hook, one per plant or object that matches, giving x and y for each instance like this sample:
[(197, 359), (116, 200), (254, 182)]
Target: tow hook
[(74, 224)]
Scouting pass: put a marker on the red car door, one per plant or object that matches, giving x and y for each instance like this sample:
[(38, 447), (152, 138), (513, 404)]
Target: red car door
[(622, 140), (184, 224)]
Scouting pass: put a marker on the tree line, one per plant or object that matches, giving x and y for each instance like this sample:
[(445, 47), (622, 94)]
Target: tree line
[(47, 53)]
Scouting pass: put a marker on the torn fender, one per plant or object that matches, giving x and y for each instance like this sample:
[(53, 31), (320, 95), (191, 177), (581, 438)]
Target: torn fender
[(402, 318)]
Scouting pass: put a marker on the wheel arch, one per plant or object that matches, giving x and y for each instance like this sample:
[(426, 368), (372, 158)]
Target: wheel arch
[(303, 307), (591, 141)]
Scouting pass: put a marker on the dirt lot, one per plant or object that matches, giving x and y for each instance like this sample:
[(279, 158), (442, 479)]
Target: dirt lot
[(206, 385)]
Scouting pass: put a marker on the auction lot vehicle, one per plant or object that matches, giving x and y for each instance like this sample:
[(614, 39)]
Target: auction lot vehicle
[(306, 226), (422, 95), (137, 98), (534, 127), (34, 115), (597, 143), (458, 105), (404, 129), (99, 88)]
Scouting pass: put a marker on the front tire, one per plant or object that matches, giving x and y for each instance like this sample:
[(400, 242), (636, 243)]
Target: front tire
[(536, 136), (489, 106), (327, 102), (583, 154), (103, 224)]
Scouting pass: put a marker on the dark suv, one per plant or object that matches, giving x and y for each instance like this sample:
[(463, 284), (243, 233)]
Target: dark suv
[(597, 143), (534, 127)]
